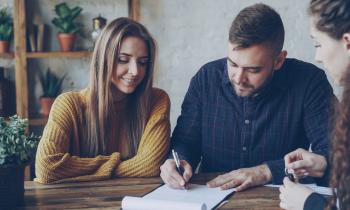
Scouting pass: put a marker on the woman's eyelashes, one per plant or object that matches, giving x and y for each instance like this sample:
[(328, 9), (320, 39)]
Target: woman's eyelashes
[(125, 60), (143, 61)]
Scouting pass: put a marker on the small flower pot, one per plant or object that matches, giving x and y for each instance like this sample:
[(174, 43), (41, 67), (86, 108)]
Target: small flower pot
[(46, 104), (66, 41), (4, 46), (11, 186)]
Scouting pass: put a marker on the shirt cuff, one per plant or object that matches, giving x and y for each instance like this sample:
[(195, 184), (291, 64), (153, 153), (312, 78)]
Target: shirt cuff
[(314, 202), (277, 170), (181, 157)]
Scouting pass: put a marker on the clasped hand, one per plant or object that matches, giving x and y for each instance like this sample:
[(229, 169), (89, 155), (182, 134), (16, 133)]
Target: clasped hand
[(304, 163)]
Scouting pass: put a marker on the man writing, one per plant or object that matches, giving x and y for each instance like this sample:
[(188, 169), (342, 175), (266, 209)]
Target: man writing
[(243, 113)]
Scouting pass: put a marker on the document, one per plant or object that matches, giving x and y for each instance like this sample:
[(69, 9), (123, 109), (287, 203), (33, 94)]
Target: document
[(319, 189), (198, 197)]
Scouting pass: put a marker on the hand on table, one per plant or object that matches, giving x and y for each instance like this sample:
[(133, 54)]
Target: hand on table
[(242, 178)]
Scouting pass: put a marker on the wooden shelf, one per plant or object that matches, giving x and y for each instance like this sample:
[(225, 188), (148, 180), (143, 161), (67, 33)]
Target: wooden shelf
[(37, 121), (77, 54), (7, 55)]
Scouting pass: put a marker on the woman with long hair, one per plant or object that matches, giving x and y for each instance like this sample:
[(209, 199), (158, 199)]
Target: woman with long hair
[(330, 28), (117, 127)]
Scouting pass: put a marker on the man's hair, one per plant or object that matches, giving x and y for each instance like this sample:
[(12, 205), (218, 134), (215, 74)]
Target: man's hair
[(332, 16), (257, 24)]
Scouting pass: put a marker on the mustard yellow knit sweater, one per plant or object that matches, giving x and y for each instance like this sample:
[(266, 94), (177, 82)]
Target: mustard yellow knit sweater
[(58, 157)]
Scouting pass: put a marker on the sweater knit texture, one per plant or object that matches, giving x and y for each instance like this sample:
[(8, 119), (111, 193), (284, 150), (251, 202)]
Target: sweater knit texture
[(58, 156)]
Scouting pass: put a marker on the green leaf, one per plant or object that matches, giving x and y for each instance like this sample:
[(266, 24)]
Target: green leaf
[(62, 10), (6, 24), (15, 146), (51, 83), (75, 12)]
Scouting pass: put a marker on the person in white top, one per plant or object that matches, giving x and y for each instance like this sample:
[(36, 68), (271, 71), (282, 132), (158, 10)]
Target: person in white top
[(330, 29)]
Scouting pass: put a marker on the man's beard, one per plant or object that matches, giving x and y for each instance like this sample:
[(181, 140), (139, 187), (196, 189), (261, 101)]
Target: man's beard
[(248, 89)]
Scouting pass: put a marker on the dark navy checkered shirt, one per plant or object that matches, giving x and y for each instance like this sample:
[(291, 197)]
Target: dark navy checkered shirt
[(231, 132)]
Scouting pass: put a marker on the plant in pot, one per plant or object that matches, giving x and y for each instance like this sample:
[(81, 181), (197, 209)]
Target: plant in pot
[(16, 150), (6, 29), (68, 28), (51, 85)]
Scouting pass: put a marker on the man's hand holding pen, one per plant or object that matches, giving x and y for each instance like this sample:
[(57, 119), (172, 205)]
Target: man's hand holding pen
[(171, 174), (179, 168)]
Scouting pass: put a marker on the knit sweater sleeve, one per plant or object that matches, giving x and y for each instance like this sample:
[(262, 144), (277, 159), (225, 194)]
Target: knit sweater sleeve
[(54, 162), (154, 144)]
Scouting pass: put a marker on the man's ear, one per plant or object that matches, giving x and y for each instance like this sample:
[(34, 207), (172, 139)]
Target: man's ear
[(346, 41), (280, 59)]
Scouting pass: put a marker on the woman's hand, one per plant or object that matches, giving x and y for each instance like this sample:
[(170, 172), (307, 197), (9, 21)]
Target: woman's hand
[(292, 195), (304, 163)]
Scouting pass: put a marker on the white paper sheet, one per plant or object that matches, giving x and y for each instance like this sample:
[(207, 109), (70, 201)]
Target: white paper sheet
[(198, 197), (137, 203), (319, 189)]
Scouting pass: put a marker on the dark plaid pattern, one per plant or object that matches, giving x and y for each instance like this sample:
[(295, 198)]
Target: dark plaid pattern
[(231, 132)]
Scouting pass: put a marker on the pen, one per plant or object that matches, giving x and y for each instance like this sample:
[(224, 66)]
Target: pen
[(177, 163), (289, 175)]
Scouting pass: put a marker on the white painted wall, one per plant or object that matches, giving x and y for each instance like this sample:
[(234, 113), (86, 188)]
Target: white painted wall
[(189, 34)]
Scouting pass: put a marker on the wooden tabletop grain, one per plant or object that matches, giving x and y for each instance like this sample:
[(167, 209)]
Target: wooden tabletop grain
[(108, 194)]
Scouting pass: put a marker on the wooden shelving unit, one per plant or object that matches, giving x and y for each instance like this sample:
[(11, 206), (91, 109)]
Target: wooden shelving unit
[(37, 121), (7, 55), (21, 55)]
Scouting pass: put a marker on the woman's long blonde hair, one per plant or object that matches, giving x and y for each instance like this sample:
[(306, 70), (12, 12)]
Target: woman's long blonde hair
[(101, 110)]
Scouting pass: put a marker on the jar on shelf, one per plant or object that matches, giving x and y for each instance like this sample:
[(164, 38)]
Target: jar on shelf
[(98, 23)]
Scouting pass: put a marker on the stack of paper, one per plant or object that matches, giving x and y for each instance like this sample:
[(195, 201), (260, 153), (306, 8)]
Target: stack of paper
[(198, 197)]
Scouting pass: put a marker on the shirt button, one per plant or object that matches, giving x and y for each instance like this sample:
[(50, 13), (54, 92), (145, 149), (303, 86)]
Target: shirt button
[(244, 148), (246, 122)]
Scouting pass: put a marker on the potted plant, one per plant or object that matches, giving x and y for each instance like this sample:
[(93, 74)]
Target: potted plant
[(68, 28), (51, 85), (16, 151), (6, 29)]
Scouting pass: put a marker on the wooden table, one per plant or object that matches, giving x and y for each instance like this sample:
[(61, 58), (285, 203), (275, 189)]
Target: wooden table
[(108, 194)]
